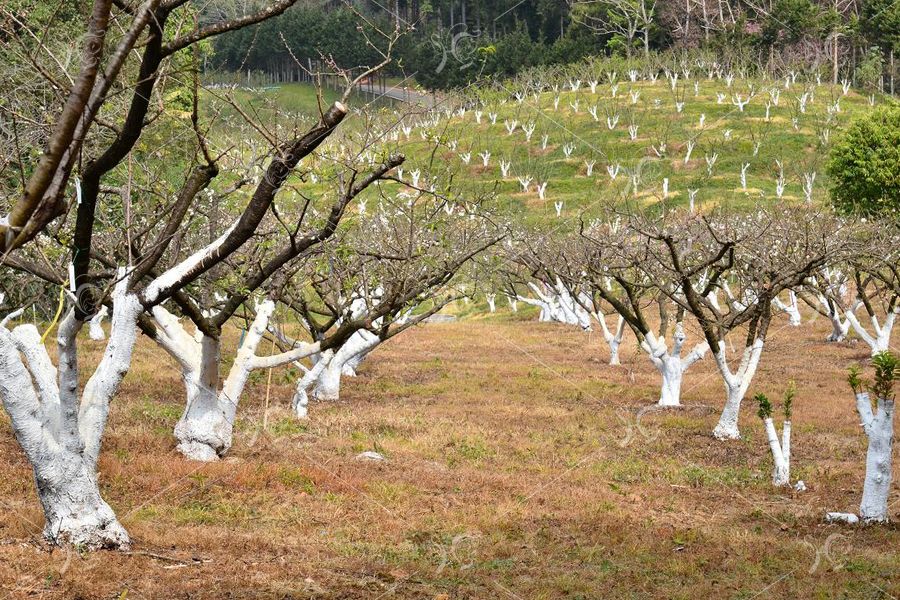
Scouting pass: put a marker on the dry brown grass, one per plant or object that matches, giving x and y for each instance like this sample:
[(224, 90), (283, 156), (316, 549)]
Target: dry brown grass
[(507, 478)]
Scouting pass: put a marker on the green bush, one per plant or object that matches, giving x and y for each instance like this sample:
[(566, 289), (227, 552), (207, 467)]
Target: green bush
[(865, 165)]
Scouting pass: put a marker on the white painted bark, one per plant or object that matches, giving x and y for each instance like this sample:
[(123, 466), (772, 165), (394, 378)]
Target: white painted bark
[(300, 401), (328, 384), (879, 339), (791, 307), (612, 338), (879, 428), (96, 325), (839, 327), (781, 471), (205, 429), (671, 365), (736, 385), (59, 432)]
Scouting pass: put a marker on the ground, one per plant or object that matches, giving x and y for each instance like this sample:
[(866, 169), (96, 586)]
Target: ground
[(519, 465)]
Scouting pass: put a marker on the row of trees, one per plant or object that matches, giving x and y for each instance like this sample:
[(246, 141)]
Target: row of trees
[(306, 232), (228, 223), (727, 275)]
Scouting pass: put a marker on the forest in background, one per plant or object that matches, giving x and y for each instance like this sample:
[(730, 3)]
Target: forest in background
[(451, 43)]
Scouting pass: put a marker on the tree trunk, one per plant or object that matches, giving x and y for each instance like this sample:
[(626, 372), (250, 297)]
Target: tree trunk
[(879, 428), (672, 375), (735, 387), (781, 471), (727, 427), (76, 513), (614, 344), (204, 431), (839, 328), (328, 385)]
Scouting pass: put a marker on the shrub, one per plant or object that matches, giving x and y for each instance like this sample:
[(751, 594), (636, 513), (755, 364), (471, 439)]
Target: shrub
[(865, 165)]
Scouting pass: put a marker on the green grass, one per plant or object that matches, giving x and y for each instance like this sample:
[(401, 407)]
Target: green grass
[(801, 146), (796, 139)]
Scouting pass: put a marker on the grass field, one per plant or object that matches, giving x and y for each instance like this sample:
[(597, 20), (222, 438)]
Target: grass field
[(791, 144), (519, 466), (719, 130)]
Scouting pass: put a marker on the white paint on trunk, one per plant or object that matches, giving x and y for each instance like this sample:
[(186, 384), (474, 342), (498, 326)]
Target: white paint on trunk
[(205, 429), (300, 401), (671, 365), (96, 325), (879, 339), (328, 384), (879, 428), (781, 452), (612, 338), (61, 432), (791, 307), (736, 385)]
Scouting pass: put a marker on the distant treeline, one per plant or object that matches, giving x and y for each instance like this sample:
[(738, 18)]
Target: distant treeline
[(455, 42)]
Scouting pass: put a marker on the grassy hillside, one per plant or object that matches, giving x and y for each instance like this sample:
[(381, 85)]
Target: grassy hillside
[(725, 139), (594, 126)]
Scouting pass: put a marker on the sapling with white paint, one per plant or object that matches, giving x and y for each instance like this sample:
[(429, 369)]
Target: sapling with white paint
[(613, 170), (528, 129), (525, 181), (542, 191), (781, 450), (779, 180)]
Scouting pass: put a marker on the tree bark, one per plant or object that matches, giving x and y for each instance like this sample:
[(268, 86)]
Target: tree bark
[(879, 428)]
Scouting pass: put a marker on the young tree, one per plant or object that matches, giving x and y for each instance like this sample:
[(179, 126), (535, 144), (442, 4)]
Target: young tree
[(781, 451)]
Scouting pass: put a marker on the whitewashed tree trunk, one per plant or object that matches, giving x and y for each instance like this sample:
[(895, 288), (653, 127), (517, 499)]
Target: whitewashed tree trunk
[(328, 384), (791, 307), (300, 401), (736, 385), (671, 365), (205, 429), (61, 432), (839, 327), (781, 452), (879, 428), (879, 340)]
